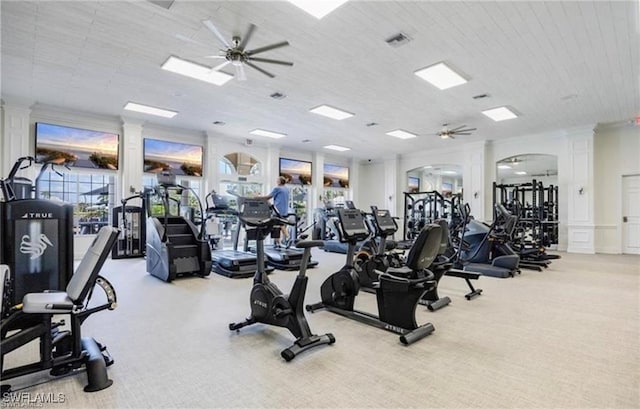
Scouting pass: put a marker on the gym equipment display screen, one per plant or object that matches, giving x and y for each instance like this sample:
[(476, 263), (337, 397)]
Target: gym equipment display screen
[(336, 176), (414, 184), (174, 157), (77, 147), (297, 172)]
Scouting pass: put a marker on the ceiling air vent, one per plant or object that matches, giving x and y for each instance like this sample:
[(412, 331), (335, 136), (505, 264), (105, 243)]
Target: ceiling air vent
[(398, 40), (481, 96), (219, 123), (370, 124), (277, 95)]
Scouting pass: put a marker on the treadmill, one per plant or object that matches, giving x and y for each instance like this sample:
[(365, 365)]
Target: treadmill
[(283, 258), (230, 262)]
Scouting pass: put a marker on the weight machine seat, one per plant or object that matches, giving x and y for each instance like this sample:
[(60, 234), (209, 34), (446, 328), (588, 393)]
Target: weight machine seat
[(81, 282)]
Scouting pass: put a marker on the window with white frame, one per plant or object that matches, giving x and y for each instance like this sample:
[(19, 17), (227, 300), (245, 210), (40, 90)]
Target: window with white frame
[(91, 194), (176, 200)]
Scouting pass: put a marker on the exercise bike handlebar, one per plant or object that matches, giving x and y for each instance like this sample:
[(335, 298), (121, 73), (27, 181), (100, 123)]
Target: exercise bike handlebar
[(17, 166), (139, 195)]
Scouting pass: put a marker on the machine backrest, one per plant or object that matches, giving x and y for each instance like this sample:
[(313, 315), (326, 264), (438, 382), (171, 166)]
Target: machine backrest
[(507, 220), (444, 240), (86, 274), (425, 248)]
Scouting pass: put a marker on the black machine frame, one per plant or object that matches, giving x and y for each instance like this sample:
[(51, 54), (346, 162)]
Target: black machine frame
[(268, 304)]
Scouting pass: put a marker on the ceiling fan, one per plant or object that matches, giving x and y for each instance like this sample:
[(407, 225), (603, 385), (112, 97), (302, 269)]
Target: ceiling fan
[(447, 133), (237, 54)]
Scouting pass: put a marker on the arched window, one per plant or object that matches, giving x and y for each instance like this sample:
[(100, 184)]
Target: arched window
[(239, 163)]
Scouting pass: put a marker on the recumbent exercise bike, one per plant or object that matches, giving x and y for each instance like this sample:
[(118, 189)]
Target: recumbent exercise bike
[(397, 291)]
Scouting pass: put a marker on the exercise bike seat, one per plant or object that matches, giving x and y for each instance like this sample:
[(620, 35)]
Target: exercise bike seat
[(309, 243)]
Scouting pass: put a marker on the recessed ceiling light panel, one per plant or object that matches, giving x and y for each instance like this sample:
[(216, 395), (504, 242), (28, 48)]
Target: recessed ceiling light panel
[(268, 134), (196, 71), (441, 76), (399, 133), (330, 112), (504, 167), (500, 114), (145, 109), (337, 148), (449, 172), (318, 8), (521, 172)]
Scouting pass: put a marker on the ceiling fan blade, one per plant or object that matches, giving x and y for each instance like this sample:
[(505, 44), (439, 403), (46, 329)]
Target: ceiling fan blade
[(220, 66), (466, 130), (270, 61), (267, 48), (246, 37), (255, 67), (240, 74), (209, 24), (190, 40), (461, 133), (460, 127)]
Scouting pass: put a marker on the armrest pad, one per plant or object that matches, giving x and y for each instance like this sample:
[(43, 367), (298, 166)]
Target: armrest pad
[(470, 275)]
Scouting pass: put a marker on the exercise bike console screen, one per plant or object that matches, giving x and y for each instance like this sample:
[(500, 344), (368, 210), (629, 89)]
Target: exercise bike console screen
[(166, 179), (353, 224), (255, 210), (385, 221)]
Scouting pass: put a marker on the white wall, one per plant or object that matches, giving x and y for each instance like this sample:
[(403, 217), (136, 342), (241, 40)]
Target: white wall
[(469, 157), (371, 181), (554, 143), (616, 153)]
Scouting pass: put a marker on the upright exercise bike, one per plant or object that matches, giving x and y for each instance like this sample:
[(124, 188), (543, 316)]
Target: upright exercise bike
[(268, 304)]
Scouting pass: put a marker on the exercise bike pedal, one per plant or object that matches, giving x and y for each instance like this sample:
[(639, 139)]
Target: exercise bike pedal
[(235, 326), (287, 354), (60, 370), (108, 359)]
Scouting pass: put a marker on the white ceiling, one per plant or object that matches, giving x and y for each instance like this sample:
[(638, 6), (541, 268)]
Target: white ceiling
[(559, 64)]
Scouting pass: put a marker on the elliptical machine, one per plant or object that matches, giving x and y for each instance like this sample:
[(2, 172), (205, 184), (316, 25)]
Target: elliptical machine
[(268, 304)]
